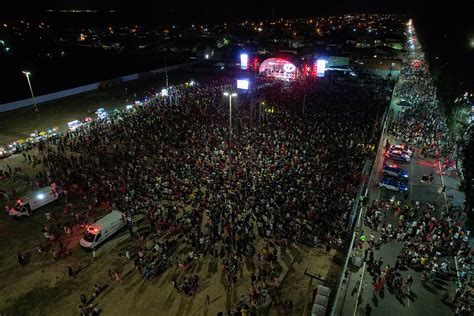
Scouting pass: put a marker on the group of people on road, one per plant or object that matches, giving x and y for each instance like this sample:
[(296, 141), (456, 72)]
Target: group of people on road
[(430, 241), (433, 234), (422, 125)]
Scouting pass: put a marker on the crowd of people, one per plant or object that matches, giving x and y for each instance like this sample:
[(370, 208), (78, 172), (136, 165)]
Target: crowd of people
[(422, 124), (287, 173), (432, 233), (429, 240)]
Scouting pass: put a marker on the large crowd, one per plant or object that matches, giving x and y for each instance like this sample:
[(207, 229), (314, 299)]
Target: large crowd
[(422, 125), (288, 174), (432, 233)]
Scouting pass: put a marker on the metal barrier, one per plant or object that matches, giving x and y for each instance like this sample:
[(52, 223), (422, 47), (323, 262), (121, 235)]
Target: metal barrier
[(359, 215)]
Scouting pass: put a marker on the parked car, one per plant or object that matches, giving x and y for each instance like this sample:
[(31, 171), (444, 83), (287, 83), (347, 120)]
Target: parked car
[(395, 171), (401, 148), (393, 184), (4, 153), (397, 155)]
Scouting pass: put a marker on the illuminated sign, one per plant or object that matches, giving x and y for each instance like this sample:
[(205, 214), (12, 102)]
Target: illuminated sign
[(321, 67), (243, 84), (244, 60)]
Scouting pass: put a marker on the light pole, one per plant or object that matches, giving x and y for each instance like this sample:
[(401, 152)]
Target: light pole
[(230, 95), (27, 74), (166, 77)]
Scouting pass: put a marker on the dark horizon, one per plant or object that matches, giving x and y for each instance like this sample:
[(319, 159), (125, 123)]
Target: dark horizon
[(208, 12), (443, 29)]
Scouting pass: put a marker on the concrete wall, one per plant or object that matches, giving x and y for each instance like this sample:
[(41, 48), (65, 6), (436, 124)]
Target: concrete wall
[(338, 61), (48, 97), (90, 87)]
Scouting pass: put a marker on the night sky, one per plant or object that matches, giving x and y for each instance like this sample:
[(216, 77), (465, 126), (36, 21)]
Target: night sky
[(215, 10)]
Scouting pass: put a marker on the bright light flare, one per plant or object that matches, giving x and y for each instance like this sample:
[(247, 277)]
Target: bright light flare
[(244, 59), (321, 67), (226, 94), (243, 84)]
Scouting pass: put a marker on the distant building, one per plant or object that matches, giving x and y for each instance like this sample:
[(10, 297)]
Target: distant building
[(395, 43), (338, 61), (385, 68)]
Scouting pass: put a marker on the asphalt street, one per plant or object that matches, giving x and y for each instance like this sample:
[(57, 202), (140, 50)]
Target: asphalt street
[(424, 300)]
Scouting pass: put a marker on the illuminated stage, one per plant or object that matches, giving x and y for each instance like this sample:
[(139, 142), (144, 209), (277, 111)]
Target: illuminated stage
[(278, 68)]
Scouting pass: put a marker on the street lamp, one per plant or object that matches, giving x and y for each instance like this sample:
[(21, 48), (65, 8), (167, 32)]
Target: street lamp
[(230, 95), (27, 74)]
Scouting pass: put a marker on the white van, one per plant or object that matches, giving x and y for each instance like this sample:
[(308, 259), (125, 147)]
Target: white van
[(73, 125), (102, 230), (27, 204)]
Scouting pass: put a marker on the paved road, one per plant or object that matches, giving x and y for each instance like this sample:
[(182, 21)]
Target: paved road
[(425, 300)]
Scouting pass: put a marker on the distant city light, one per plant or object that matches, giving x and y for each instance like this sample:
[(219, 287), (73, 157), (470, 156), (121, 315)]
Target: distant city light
[(206, 56), (471, 42), (164, 92), (243, 84), (244, 59)]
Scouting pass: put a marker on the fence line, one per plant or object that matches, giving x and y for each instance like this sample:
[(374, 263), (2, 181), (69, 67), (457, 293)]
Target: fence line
[(86, 88)]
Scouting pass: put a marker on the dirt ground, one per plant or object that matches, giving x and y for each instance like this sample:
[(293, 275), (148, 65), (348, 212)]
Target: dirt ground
[(43, 286), (20, 123)]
